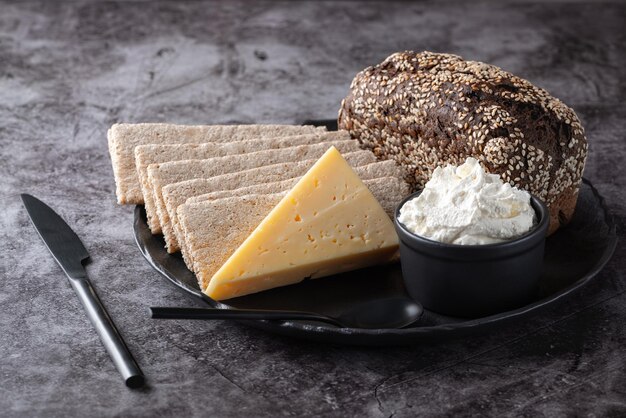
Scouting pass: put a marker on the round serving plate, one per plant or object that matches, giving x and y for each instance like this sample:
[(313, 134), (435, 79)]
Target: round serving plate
[(573, 256)]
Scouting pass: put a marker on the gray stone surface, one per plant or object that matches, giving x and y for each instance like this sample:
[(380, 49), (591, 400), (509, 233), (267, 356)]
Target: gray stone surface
[(69, 70)]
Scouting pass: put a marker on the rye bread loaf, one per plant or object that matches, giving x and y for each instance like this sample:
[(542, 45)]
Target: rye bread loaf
[(159, 153), (124, 137), (214, 229), (427, 109), (162, 174), (176, 194)]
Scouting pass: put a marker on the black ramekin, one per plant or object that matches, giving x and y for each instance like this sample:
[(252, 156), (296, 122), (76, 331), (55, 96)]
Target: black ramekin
[(470, 281)]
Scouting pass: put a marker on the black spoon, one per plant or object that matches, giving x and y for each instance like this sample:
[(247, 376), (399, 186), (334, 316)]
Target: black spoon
[(387, 313)]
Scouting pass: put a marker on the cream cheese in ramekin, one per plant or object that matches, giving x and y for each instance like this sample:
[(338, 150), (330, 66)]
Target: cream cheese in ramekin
[(465, 205)]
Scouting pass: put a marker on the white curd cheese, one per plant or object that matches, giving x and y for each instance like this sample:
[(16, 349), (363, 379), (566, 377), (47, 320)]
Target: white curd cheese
[(465, 205)]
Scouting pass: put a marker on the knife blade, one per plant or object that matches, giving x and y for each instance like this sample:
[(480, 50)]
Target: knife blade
[(70, 253)]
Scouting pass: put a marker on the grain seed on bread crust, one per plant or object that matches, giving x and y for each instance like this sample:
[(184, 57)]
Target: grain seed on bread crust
[(424, 110), (124, 137)]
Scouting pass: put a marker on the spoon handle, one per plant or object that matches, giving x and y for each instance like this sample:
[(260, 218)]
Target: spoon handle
[(240, 314)]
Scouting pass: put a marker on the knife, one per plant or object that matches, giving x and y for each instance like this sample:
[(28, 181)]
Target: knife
[(70, 253)]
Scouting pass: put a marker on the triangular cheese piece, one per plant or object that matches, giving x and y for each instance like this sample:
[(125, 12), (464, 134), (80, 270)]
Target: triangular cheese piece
[(327, 224)]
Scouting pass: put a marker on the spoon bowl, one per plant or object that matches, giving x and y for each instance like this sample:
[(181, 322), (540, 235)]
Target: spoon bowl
[(387, 313), (395, 312)]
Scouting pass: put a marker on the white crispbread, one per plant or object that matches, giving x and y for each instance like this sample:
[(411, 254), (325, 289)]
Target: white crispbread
[(124, 137)]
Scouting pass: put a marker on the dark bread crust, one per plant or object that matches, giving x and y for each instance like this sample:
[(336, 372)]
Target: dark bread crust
[(425, 110)]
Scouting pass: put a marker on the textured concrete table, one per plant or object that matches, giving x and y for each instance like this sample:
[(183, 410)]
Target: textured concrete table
[(68, 71)]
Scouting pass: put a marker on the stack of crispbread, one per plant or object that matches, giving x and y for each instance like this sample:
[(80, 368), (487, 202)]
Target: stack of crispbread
[(124, 137), (206, 188)]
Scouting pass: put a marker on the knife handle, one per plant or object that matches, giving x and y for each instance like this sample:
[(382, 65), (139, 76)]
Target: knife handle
[(110, 336)]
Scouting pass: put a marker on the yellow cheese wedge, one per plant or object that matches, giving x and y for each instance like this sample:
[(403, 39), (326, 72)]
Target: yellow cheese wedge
[(327, 224)]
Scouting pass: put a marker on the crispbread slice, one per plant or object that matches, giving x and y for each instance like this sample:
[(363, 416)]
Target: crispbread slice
[(124, 137), (232, 220), (162, 174), (176, 194), (160, 153), (214, 229)]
